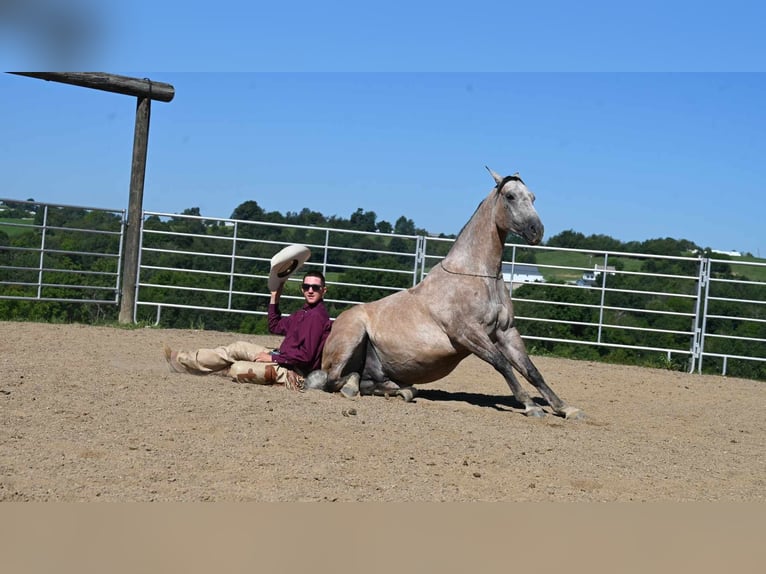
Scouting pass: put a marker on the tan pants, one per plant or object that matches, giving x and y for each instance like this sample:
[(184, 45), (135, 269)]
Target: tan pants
[(236, 361)]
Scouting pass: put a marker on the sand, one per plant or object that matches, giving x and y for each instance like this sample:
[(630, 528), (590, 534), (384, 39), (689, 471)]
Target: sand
[(93, 414)]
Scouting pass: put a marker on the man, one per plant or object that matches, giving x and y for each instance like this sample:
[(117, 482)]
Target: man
[(300, 352)]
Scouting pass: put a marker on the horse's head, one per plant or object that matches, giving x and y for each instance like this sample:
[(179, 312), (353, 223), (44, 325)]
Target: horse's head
[(516, 211)]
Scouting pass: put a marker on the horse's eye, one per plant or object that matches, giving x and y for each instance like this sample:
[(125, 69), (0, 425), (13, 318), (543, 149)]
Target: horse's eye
[(511, 197)]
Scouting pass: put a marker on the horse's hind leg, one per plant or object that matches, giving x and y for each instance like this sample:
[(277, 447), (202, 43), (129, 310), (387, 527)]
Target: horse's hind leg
[(386, 389), (349, 385), (316, 380), (345, 350), (319, 380)]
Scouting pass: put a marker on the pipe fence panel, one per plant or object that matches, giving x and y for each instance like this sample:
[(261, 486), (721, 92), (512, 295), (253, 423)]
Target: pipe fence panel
[(206, 272), (60, 253), (223, 265), (610, 300), (733, 330)]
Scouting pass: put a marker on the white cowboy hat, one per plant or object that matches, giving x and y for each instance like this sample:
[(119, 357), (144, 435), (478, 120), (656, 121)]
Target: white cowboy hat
[(285, 263)]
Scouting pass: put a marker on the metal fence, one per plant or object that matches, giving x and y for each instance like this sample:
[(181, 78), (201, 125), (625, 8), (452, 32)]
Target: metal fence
[(227, 266), (618, 298), (688, 310), (42, 259), (734, 312)]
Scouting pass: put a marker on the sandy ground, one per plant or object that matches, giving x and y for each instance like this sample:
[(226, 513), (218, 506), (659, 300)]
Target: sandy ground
[(92, 413)]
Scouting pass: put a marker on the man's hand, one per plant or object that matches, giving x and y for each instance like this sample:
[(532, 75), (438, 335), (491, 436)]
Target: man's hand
[(275, 295)]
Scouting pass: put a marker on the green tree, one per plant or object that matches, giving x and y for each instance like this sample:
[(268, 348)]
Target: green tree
[(404, 226), (362, 220), (569, 239), (248, 211)]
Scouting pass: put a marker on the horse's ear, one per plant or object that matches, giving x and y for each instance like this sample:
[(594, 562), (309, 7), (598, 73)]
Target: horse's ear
[(496, 177)]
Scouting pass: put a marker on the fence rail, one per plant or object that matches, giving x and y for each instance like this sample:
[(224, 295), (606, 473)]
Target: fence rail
[(44, 263), (689, 309), (241, 252)]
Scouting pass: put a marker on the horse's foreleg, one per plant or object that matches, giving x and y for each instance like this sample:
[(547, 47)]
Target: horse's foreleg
[(528, 370), (514, 348), (531, 409), (485, 350)]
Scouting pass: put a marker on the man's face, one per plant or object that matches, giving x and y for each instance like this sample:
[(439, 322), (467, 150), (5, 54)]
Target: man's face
[(313, 290)]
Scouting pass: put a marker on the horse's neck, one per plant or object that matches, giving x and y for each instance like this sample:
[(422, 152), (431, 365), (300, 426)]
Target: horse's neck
[(478, 249)]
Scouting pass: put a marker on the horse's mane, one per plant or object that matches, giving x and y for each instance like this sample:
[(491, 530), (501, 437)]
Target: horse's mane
[(470, 219)]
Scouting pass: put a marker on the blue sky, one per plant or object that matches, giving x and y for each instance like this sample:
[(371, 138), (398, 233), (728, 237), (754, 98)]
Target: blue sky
[(621, 120), (391, 35)]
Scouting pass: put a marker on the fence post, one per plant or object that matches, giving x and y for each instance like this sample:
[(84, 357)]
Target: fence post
[(41, 267), (420, 257), (326, 249), (698, 322), (704, 290), (145, 91), (135, 203)]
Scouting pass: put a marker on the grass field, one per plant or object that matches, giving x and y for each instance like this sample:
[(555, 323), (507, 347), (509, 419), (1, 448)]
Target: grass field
[(565, 261), (752, 272), (580, 261), (12, 230)]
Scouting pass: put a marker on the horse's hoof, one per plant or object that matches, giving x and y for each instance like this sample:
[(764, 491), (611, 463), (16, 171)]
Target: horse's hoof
[(351, 388), (316, 380), (573, 414), (407, 394), (534, 412)]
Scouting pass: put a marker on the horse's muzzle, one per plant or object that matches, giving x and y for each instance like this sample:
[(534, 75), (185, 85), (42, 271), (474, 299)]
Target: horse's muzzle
[(533, 233)]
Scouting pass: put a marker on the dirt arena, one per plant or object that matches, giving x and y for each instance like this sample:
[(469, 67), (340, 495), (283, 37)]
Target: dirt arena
[(92, 413)]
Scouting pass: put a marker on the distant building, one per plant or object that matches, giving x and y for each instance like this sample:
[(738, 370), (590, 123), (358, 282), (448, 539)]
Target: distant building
[(588, 278), (729, 253), (517, 273), (591, 278), (610, 269), (720, 252)]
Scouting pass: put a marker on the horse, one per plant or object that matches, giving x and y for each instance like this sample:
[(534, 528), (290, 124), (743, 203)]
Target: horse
[(461, 307)]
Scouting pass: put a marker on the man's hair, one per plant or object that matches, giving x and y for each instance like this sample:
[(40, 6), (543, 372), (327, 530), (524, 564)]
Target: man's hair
[(314, 273)]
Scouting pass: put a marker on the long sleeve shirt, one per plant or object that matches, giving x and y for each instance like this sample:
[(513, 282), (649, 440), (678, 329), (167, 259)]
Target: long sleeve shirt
[(305, 332)]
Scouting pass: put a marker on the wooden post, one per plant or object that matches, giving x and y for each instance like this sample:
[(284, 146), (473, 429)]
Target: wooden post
[(146, 91), (109, 83), (135, 209)]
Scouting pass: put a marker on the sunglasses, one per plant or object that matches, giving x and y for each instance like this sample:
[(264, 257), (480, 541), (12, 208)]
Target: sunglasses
[(311, 287)]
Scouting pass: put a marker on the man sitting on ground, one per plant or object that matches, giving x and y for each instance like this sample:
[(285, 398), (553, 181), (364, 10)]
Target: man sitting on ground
[(300, 352)]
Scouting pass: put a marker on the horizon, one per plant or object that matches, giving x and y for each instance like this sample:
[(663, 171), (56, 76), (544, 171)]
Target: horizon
[(732, 253)]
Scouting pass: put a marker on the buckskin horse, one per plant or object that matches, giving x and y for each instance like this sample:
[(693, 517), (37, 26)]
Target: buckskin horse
[(461, 307)]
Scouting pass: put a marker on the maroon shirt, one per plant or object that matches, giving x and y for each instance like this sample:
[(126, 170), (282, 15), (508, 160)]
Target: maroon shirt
[(305, 333)]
